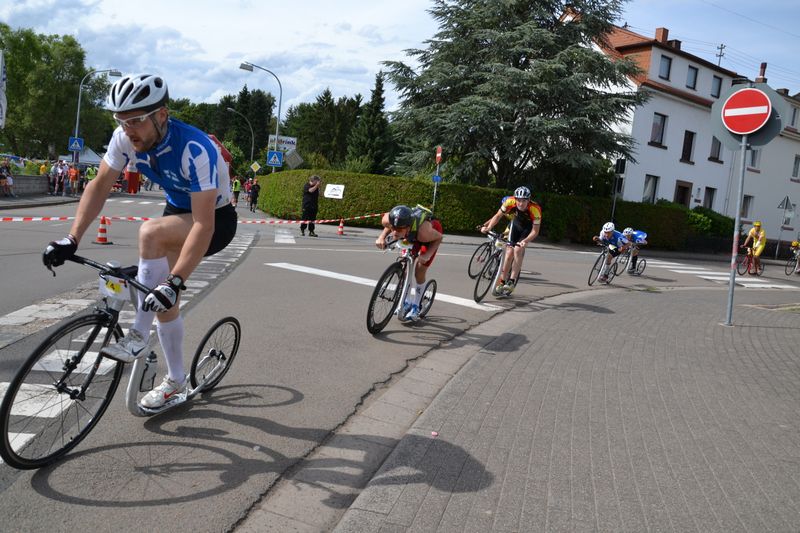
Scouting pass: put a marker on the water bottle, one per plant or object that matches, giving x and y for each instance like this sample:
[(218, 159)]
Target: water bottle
[(149, 374)]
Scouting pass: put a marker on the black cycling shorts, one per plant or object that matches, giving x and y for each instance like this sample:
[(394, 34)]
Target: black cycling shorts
[(225, 222), (519, 231)]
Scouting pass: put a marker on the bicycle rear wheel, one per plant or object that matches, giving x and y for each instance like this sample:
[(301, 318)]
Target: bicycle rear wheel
[(487, 277), (478, 259), (215, 354), (385, 298), (760, 270), (46, 411), (791, 266), (428, 295), (594, 273), (622, 263), (641, 264)]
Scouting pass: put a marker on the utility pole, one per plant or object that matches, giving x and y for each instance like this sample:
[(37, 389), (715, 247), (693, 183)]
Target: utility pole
[(720, 54)]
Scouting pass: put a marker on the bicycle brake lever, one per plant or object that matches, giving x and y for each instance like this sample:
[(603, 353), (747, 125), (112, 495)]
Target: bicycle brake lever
[(50, 268)]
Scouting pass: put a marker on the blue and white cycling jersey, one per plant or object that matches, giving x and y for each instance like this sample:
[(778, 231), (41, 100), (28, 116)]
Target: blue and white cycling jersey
[(617, 239), (639, 237), (185, 161)]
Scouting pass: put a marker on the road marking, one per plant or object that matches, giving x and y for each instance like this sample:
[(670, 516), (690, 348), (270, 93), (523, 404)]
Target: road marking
[(371, 283), (18, 440), (284, 236), (37, 400)]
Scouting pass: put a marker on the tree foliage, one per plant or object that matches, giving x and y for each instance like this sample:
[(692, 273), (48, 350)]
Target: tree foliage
[(370, 146), (506, 87)]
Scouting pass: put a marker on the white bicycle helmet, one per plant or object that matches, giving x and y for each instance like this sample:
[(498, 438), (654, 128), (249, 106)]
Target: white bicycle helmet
[(608, 226), (522, 192), (627, 232), (138, 92)]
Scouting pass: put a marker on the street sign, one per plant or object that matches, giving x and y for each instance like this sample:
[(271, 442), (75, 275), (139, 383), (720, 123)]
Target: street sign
[(785, 204), (333, 191), (75, 144), (285, 144), (255, 166), (775, 124), (438, 154), (746, 111), (293, 159), (437, 178), (274, 159)]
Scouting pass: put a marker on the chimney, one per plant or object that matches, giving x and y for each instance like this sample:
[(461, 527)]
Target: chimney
[(761, 74), (662, 34), (674, 43)]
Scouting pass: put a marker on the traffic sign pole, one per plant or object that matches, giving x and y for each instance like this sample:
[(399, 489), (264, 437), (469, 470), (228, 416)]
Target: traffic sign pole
[(737, 221)]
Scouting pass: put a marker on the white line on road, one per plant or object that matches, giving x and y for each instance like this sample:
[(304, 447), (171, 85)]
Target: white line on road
[(284, 236), (371, 283)]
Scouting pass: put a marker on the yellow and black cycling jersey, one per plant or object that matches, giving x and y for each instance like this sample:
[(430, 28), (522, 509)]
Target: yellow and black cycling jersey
[(531, 215)]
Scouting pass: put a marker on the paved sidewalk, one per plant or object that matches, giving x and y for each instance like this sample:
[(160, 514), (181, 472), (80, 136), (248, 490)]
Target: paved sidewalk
[(681, 425), (35, 200)]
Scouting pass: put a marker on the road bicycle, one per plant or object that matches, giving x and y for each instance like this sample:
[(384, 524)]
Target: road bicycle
[(594, 273), (793, 262), (624, 259), (393, 288), (489, 276), (479, 257), (746, 264), (62, 390)]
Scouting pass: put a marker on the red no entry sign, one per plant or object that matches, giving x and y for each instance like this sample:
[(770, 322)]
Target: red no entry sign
[(746, 111)]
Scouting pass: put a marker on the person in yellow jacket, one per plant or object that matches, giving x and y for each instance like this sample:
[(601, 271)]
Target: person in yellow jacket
[(759, 239)]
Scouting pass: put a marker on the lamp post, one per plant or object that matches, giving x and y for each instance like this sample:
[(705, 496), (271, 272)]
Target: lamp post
[(249, 67), (252, 137), (111, 72)]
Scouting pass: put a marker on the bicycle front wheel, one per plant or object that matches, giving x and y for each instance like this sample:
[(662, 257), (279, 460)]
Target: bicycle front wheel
[(60, 393), (622, 263), (742, 265), (385, 298), (428, 295), (487, 277), (641, 264), (215, 354), (478, 259), (791, 266), (594, 273)]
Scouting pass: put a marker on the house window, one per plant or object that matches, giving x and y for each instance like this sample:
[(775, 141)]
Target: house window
[(716, 86), (793, 122), (747, 203), (665, 67), (650, 189), (688, 146), (708, 199), (796, 167), (659, 127), (753, 158), (683, 193), (716, 149), (691, 78)]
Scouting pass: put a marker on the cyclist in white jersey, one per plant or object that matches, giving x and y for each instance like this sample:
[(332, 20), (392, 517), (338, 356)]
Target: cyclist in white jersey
[(198, 220)]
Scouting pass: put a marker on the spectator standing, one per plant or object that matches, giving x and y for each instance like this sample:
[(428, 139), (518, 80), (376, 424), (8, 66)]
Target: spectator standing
[(73, 180), (255, 188), (43, 169), (310, 205), (5, 171), (237, 188)]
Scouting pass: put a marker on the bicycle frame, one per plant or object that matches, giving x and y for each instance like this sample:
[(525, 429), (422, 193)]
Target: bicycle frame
[(408, 257)]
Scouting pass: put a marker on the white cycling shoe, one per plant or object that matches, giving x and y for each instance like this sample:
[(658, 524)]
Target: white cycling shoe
[(130, 348)]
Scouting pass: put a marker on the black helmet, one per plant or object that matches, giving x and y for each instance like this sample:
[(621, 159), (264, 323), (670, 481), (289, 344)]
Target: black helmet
[(400, 216)]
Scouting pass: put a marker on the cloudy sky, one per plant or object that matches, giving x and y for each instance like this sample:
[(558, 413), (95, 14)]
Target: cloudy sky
[(313, 44)]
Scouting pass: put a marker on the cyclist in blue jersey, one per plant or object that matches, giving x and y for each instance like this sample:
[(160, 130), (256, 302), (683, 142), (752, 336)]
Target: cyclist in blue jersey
[(637, 239), (198, 219), (616, 243)]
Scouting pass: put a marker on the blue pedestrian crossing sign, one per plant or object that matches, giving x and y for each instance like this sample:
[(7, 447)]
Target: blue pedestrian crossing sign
[(75, 144), (274, 158)]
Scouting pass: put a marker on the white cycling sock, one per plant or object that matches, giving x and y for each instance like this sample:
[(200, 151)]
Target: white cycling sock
[(418, 292), (170, 334), (151, 273)]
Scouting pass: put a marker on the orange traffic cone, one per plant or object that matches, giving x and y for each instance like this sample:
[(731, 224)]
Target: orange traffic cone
[(101, 232), (341, 228)]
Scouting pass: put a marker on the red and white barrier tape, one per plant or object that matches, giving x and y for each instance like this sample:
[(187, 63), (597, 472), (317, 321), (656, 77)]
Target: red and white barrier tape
[(142, 219)]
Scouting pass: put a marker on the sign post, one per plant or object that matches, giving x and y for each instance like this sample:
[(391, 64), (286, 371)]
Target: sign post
[(436, 177)]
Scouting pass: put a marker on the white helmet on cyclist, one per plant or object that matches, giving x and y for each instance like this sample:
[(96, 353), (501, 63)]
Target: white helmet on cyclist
[(608, 226), (137, 92), (627, 232), (523, 193)]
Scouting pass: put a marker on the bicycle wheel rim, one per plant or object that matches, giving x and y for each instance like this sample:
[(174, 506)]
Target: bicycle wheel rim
[(41, 424), (742, 266), (478, 260), (485, 279), (594, 273), (385, 298), (215, 353), (641, 264), (428, 295), (790, 266)]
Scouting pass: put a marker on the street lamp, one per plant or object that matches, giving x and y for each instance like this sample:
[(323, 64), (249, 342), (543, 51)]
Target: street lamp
[(111, 72), (252, 137), (249, 67)]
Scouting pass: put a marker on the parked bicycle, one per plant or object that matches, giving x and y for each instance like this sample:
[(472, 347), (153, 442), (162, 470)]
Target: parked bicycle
[(65, 386), (393, 288), (793, 263), (493, 267), (746, 264), (623, 260), (594, 273)]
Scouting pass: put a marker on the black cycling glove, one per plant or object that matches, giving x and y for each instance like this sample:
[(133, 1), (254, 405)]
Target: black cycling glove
[(59, 251)]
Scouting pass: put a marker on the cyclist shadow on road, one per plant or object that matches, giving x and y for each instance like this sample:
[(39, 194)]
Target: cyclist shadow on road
[(210, 449)]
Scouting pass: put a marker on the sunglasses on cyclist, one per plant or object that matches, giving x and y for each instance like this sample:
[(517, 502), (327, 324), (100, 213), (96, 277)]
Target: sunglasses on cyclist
[(133, 122)]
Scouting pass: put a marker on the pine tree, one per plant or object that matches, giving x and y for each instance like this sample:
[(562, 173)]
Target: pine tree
[(370, 141)]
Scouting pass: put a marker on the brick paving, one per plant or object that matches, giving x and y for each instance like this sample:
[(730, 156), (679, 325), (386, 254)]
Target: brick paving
[(567, 423)]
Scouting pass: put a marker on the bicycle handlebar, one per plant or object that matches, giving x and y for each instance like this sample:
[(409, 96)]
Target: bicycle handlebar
[(126, 273)]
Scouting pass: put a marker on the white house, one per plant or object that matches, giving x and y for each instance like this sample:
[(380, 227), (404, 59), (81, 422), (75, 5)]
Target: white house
[(677, 156)]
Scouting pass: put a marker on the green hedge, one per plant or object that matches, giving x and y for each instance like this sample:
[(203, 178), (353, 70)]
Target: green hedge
[(462, 207)]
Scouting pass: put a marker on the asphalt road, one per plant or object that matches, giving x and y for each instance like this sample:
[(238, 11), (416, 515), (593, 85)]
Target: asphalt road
[(306, 362)]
